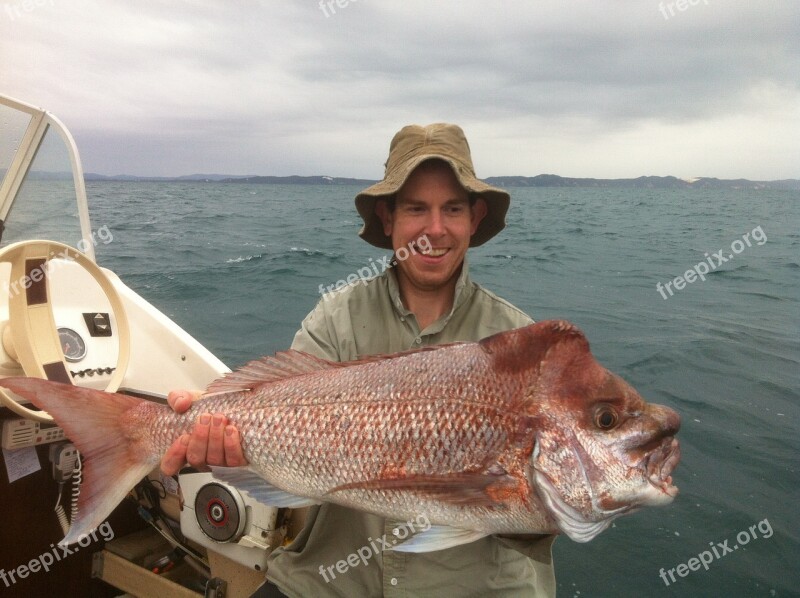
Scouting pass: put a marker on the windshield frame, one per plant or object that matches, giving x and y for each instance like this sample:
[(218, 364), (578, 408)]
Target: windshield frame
[(40, 122)]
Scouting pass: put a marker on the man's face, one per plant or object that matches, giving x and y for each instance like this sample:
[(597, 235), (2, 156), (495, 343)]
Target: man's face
[(431, 203)]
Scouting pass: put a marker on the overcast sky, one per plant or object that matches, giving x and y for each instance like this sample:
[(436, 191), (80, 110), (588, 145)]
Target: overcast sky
[(595, 88)]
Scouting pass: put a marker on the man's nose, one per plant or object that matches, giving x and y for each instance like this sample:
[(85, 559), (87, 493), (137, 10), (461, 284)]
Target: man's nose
[(435, 226)]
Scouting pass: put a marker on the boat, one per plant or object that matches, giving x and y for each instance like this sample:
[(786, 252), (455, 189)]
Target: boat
[(66, 318)]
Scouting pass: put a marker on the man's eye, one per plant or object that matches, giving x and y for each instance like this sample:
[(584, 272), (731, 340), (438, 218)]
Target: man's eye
[(458, 209)]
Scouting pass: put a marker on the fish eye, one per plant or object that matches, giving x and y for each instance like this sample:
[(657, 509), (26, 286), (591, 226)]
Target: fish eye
[(605, 417)]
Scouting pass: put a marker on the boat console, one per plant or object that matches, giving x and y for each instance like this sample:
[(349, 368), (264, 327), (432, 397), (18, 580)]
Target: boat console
[(66, 318)]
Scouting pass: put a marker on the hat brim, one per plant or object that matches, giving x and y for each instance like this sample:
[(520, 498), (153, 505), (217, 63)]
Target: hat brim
[(497, 202)]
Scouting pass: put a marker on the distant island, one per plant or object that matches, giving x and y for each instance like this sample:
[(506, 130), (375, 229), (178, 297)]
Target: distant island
[(542, 180)]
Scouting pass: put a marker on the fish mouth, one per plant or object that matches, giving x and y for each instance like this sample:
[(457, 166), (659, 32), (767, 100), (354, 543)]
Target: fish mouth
[(658, 466)]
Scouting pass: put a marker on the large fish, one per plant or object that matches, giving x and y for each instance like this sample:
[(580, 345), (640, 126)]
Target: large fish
[(522, 432)]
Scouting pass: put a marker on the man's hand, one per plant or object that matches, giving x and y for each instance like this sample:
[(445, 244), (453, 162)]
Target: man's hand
[(212, 441)]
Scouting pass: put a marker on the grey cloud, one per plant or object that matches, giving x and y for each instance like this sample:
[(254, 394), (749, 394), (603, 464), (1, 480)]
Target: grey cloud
[(278, 88)]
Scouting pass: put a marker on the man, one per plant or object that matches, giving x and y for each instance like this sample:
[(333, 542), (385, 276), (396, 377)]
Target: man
[(431, 204)]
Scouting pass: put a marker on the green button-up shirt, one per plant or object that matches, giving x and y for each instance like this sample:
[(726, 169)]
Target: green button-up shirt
[(363, 319)]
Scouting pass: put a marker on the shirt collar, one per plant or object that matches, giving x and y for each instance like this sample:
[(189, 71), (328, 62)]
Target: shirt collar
[(463, 291)]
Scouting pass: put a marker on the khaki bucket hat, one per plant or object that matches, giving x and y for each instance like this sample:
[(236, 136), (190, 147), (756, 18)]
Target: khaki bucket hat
[(411, 146)]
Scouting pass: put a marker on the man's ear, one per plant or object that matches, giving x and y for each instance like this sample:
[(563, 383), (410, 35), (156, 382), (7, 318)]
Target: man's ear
[(384, 214), (479, 211)]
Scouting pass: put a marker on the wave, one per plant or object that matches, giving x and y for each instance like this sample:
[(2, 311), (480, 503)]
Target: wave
[(244, 258), (306, 251)]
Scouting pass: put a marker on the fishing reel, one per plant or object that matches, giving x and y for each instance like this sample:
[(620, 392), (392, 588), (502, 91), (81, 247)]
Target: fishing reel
[(217, 516)]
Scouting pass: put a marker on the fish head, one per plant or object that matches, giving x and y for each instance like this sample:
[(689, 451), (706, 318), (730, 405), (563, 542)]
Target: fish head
[(600, 450)]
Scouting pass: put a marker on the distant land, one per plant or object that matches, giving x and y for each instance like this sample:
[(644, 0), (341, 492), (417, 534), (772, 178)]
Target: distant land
[(542, 180)]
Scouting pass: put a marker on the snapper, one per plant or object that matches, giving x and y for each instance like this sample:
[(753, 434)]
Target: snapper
[(522, 432)]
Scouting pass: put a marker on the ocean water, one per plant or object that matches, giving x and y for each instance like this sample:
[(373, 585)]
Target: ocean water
[(239, 266)]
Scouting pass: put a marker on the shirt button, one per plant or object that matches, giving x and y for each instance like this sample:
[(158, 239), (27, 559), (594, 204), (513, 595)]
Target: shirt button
[(393, 581), (417, 341)]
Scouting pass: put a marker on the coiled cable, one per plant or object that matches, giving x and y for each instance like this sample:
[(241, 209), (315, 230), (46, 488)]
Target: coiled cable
[(76, 487), (60, 514)]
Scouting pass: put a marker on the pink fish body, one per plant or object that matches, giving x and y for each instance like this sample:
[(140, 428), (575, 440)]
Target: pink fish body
[(522, 432)]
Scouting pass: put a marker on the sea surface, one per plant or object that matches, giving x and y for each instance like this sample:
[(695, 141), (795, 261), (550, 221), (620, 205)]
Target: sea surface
[(239, 266)]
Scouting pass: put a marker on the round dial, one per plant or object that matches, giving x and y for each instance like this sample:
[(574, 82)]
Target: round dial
[(72, 344)]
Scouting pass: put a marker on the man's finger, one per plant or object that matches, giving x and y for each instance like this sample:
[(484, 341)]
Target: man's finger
[(215, 454), (181, 400), (198, 442), (234, 457), (175, 457)]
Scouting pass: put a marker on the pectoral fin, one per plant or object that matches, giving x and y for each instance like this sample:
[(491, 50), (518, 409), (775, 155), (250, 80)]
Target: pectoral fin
[(438, 537), (466, 489), (249, 482)]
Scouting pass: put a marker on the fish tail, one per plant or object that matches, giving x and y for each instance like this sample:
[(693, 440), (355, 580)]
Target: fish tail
[(117, 452)]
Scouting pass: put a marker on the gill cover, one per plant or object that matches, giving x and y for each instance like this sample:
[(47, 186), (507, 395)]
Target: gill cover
[(563, 484)]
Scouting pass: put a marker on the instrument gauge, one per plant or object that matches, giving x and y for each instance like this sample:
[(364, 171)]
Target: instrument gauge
[(72, 344)]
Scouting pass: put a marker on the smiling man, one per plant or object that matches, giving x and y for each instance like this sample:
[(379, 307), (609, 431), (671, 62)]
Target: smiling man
[(431, 204), (429, 190)]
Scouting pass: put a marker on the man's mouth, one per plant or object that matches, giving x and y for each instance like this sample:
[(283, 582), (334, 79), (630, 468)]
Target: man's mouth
[(435, 252)]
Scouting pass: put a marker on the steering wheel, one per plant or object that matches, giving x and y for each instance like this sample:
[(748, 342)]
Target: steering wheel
[(31, 335)]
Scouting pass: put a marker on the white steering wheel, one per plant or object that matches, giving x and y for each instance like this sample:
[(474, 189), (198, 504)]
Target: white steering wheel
[(31, 335)]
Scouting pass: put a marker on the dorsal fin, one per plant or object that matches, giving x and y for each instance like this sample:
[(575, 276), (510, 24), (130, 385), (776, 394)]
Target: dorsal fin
[(291, 363), (282, 365)]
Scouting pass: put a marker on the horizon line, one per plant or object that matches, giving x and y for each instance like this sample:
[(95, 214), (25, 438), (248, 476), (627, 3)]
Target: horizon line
[(524, 176)]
